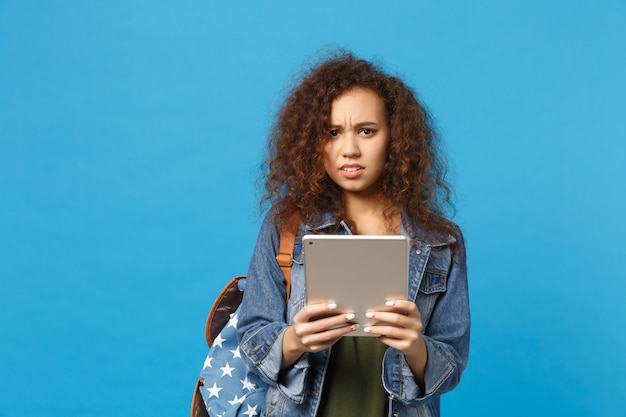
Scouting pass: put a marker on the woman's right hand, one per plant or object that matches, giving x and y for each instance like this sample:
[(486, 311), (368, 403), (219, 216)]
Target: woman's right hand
[(316, 327)]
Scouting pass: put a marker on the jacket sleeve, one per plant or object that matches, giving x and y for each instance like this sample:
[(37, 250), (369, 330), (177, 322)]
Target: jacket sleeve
[(262, 318), (447, 341)]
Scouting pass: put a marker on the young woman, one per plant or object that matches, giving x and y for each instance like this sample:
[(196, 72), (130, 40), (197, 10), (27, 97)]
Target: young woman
[(353, 152)]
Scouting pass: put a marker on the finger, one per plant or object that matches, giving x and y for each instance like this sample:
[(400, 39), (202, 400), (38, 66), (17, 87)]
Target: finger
[(404, 340), (404, 343), (322, 324), (315, 342), (318, 325), (395, 332), (400, 306), (395, 319), (316, 310)]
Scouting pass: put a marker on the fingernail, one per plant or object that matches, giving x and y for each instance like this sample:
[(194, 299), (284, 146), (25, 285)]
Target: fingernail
[(367, 329), (354, 326), (350, 316), (369, 314), (389, 302), (332, 305)]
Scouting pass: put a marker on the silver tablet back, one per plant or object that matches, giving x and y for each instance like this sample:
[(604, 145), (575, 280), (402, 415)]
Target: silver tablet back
[(358, 272)]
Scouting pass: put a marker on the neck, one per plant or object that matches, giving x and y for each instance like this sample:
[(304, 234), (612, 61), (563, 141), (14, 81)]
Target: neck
[(364, 204), (367, 214)]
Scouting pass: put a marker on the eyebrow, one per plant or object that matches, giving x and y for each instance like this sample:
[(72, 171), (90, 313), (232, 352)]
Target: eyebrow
[(361, 124)]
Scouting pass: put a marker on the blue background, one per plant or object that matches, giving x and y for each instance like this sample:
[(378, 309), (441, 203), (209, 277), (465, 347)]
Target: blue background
[(130, 138)]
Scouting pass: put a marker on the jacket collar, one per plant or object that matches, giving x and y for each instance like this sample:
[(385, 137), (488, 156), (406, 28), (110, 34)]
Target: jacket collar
[(317, 224)]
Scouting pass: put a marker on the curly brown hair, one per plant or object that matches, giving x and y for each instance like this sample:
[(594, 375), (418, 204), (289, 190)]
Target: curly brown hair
[(414, 173)]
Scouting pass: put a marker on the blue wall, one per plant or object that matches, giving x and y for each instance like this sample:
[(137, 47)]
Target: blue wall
[(130, 137)]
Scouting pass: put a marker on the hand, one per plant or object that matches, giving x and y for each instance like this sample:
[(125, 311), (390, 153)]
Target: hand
[(399, 325), (315, 328), (318, 326)]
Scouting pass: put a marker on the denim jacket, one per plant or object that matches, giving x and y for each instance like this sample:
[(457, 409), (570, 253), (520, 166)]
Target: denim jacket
[(437, 284)]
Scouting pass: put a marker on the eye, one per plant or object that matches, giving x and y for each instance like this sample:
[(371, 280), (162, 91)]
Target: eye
[(367, 132), (333, 133)]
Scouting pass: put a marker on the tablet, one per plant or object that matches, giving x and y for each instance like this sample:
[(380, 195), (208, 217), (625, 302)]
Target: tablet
[(357, 272)]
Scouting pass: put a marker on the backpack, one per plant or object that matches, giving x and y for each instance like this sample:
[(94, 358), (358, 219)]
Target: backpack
[(226, 388)]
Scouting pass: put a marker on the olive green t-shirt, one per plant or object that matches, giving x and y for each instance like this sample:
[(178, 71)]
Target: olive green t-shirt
[(353, 384)]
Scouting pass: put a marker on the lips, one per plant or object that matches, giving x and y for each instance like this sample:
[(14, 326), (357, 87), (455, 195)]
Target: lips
[(351, 170)]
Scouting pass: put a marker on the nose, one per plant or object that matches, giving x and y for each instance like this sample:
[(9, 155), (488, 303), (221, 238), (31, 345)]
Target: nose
[(350, 146)]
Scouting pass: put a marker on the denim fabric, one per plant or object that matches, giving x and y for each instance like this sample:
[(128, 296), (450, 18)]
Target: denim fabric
[(437, 284)]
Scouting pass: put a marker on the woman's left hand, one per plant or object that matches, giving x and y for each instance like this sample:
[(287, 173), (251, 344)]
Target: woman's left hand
[(399, 325)]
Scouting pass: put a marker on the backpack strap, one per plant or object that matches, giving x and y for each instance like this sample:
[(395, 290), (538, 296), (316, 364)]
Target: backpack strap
[(230, 297), (225, 304), (284, 257)]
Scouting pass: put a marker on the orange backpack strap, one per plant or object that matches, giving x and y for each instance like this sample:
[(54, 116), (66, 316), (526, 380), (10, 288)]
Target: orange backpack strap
[(284, 257), (231, 296)]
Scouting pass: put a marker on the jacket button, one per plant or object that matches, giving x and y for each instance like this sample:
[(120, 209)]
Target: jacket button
[(418, 251)]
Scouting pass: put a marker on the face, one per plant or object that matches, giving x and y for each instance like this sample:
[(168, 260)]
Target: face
[(355, 154)]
